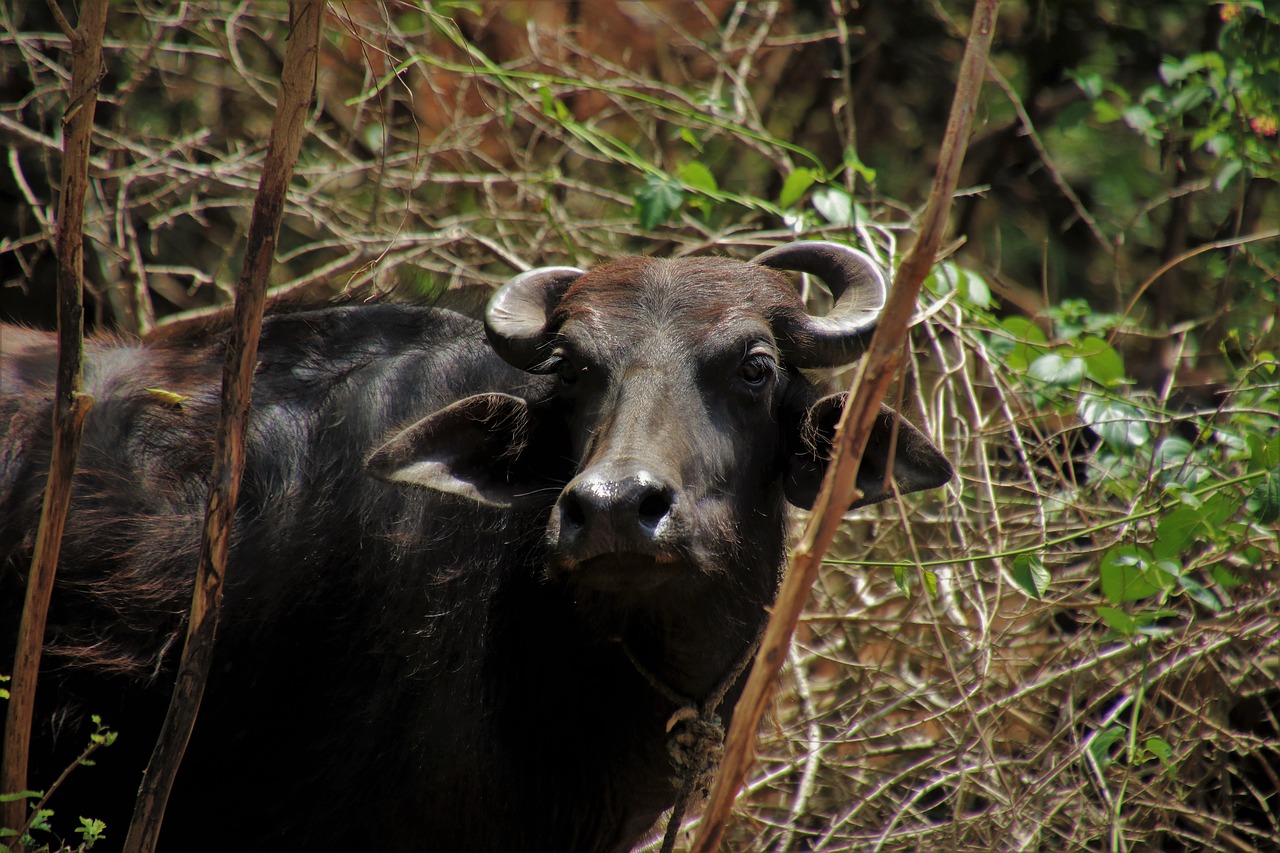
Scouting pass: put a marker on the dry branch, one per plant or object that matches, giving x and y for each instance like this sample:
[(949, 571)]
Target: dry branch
[(70, 407), (870, 384), (297, 90)]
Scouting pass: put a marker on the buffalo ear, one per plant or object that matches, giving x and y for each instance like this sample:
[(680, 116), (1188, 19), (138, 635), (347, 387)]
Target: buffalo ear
[(917, 463), (478, 448)]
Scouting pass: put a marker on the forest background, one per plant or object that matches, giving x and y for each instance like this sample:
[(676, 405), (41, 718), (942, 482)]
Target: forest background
[(1077, 646)]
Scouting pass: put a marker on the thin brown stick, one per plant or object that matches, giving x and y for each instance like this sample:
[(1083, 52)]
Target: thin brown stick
[(297, 90), (1050, 164), (872, 379), (1182, 258), (1037, 143), (70, 407)]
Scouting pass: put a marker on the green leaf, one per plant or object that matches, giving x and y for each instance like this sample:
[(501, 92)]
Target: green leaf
[(21, 795), (900, 578), (169, 398), (91, 830), (1230, 168), (1120, 425), (657, 201), (1224, 577), (1102, 363), (974, 289), (795, 185), (930, 582), (698, 176), (1264, 453), (1118, 620), (553, 107), (1089, 83), (692, 141), (1101, 743), (1140, 119), (834, 205), (41, 821), (970, 286), (1124, 574), (1030, 575), (1160, 748), (1053, 369), (1173, 452), (1025, 346), (1188, 99), (1106, 113), (1211, 139), (1164, 573), (1202, 596), (1175, 461), (1178, 530), (1023, 329), (1217, 510), (1264, 500)]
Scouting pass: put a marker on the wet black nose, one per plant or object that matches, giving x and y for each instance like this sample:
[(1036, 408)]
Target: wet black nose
[(602, 514)]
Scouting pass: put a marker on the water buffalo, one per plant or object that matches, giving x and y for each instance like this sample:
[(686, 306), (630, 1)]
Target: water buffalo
[(475, 568)]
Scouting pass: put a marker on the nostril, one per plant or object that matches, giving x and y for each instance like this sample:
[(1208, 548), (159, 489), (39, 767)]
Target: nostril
[(653, 508), (571, 512), (607, 514)]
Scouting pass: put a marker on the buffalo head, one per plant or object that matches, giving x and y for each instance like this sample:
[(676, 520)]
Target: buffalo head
[(674, 418)]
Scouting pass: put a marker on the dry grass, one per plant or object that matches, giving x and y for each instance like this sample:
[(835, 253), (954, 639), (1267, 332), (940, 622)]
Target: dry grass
[(969, 719)]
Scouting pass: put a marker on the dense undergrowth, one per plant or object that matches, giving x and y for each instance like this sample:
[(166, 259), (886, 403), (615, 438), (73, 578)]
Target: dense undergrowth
[(1077, 645)]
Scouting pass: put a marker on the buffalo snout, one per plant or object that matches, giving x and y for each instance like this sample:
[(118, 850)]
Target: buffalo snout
[(612, 521)]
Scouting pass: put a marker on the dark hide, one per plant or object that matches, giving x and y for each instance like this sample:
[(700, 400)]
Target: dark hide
[(401, 668)]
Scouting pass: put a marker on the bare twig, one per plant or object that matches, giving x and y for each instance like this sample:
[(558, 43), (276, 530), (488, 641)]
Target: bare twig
[(1182, 258), (297, 89), (1049, 162), (1041, 150), (872, 380), (70, 406)]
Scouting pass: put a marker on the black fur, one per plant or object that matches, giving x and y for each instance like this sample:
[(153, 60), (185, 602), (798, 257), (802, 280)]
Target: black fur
[(396, 668)]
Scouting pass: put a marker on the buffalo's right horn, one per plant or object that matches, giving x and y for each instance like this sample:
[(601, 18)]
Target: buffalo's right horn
[(859, 290), (516, 317)]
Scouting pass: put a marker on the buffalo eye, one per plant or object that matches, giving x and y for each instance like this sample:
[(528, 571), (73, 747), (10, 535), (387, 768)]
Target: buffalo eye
[(565, 368), (756, 369), (568, 371), (561, 366)]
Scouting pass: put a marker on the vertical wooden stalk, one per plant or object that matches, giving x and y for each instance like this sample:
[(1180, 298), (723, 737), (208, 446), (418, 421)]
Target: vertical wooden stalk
[(297, 90), (870, 384), (70, 407)]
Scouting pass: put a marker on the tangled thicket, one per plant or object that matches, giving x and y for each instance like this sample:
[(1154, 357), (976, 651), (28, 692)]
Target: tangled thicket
[(1076, 646)]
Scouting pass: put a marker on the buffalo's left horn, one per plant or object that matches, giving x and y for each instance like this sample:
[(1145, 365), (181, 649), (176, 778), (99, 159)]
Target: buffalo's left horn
[(516, 317), (859, 290)]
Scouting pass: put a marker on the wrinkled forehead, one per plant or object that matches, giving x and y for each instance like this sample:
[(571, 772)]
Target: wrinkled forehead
[(696, 295)]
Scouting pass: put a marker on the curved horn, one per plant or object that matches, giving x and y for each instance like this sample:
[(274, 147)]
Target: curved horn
[(516, 318), (859, 290)]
